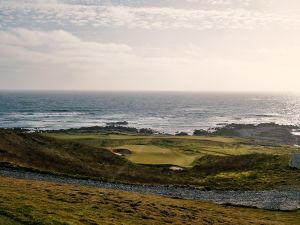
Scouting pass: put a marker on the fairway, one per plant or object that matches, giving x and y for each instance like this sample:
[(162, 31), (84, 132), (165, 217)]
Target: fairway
[(83, 136), (207, 161), (150, 154), (173, 150)]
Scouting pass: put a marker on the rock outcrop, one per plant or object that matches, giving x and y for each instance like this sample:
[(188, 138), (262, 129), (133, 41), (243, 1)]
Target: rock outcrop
[(294, 160)]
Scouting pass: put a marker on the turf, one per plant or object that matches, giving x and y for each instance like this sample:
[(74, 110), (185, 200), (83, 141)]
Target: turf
[(209, 163), (151, 154), (36, 202), (33, 151), (76, 136), (177, 150)]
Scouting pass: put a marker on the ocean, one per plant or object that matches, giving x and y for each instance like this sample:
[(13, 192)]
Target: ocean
[(168, 112)]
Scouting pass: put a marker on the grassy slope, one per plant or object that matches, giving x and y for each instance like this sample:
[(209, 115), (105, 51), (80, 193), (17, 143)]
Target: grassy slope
[(4, 220), (267, 164), (35, 202), (182, 151), (47, 154), (255, 171), (264, 171)]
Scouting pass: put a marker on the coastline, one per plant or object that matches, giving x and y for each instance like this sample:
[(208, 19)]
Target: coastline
[(263, 132), (166, 112)]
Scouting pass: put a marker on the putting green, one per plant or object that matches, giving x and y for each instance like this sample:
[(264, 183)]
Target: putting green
[(151, 154)]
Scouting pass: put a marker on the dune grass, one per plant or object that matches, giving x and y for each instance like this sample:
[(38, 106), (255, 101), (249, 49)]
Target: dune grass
[(191, 152), (32, 151), (177, 150), (208, 164), (4, 220), (36, 202), (217, 163)]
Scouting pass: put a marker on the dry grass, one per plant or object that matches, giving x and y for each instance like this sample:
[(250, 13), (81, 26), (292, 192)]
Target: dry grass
[(35, 202), (218, 165)]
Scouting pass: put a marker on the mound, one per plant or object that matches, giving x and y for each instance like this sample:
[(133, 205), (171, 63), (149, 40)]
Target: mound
[(47, 154), (211, 163)]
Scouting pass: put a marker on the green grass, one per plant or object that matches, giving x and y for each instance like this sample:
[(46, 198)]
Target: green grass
[(189, 151), (4, 220), (33, 151), (152, 149), (76, 136), (36, 202), (150, 154), (209, 163), (255, 171)]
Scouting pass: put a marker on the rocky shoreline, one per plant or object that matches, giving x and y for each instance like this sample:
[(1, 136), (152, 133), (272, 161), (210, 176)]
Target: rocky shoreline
[(265, 132), (285, 200), (268, 133)]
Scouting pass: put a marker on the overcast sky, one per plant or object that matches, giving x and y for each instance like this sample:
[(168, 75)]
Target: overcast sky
[(186, 45)]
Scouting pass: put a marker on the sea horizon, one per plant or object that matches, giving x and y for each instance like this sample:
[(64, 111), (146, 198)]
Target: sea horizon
[(168, 112)]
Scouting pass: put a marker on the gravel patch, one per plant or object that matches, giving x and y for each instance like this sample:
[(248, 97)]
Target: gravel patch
[(271, 200)]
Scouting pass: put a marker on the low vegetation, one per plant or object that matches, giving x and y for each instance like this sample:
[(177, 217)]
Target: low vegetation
[(36, 202), (208, 162), (177, 150), (32, 151), (266, 132)]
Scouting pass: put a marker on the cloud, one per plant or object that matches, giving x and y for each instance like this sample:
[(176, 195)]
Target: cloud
[(57, 39), (48, 57), (54, 48), (157, 44), (58, 13), (31, 59)]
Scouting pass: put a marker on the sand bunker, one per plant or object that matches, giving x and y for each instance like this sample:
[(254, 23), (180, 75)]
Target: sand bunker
[(122, 152)]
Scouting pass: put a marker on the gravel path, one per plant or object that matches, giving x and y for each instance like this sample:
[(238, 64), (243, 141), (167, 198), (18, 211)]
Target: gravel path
[(274, 200)]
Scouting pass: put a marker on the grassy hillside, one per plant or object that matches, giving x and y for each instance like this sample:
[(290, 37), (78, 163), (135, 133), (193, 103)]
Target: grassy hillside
[(178, 150), (254, 171), (47, 154), (33, 148), (210, 162), (36, 202)]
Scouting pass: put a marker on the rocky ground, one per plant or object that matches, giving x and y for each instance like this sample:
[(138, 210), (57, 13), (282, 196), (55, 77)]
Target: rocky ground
[(264, 132), (283, 199)]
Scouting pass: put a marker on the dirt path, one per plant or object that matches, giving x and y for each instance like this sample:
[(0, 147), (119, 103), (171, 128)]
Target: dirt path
[(274, 200)]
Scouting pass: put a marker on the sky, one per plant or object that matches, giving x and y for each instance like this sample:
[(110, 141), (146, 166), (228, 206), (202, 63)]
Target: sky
[(150, 45)]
